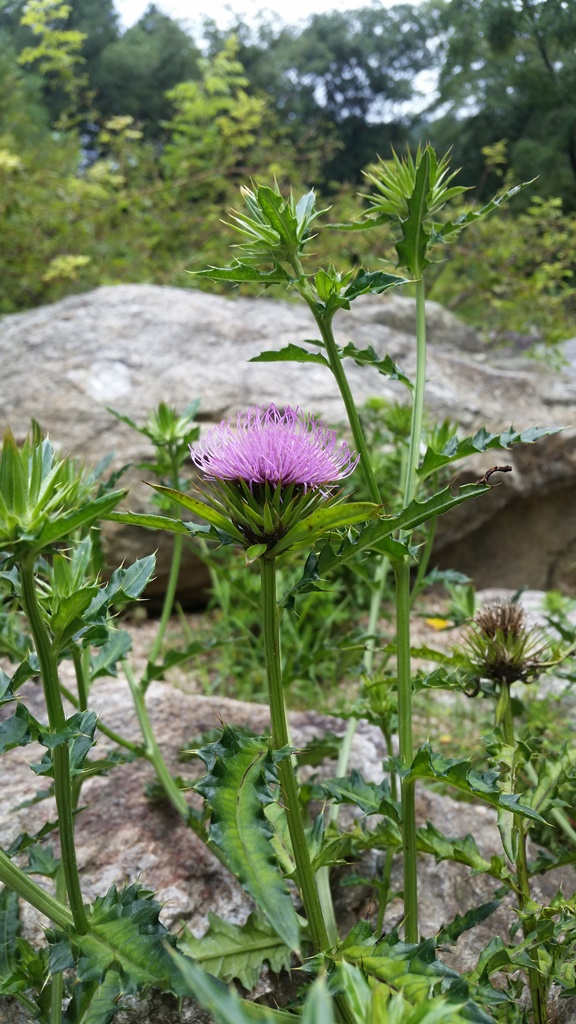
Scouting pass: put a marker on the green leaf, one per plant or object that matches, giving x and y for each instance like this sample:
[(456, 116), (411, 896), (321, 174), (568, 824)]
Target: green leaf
[(459, 773), (372, 799), (481, 441), (368, 357), (62, 527), (323, 520), (374, 536), (125, 933), (18, 730), (292, 353), (105, 662), (231, 951), (236, 789), (452, 932), (223, 1003), (172, 658), (96, 1002), (461, 851), (150, 522), (373, 282), (240, 272), (453, 227), (412, 247), (200, 508)]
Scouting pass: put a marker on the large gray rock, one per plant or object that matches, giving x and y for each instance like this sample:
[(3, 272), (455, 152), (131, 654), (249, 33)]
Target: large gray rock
[(132, 346)]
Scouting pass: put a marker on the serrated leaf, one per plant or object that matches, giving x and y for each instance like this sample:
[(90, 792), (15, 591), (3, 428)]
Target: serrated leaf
[(461, 851), (231, 951), (125, 932), (235, 789), (374, 282), (459, 773), (452, 932), (451, 227), (369, 797), (411, 248), (240, 272), (292, 353), (368, 357), (63, 526), (18, 730), (223, 1003), (481, 441), (96, 1003), (105, 662)]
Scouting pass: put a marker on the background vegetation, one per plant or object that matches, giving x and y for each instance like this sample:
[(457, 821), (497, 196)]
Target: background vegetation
[(120, 151)]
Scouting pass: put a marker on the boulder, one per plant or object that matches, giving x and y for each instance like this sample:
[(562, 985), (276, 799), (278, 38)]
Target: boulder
[(132, 346), (123, 836)]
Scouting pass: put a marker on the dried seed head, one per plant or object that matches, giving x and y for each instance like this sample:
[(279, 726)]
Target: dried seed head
[(501, 646)]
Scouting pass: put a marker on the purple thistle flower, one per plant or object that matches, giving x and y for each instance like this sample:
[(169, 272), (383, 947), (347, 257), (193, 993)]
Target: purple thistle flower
[(274, 448)]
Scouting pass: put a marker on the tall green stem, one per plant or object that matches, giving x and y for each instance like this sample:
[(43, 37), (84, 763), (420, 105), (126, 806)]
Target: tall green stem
[(403, 601), (505, 718), (169, 596), (280, 738), (15, 879), (60, 753), (151, 749)]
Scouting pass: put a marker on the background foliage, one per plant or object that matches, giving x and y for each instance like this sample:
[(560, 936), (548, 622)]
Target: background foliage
[(121, 151)]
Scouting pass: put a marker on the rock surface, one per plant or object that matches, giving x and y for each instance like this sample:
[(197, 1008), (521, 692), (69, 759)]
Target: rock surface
[(123, 837), (132, 346)]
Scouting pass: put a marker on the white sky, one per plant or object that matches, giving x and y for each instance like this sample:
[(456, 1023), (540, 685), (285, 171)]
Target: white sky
[(192, 11)]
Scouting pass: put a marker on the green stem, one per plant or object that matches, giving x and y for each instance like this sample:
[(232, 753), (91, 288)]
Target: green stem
[(57, 992), (81, 670), (411, 484), (324, 323), (169, 596), (37, 897), (280, 738), (61, 753), (152, 750), (407, 789), (536, 984), (403, 602)]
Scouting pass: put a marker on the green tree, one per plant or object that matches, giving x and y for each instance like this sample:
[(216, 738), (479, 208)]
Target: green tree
[(508, 71), (348, 75), (134, 72)]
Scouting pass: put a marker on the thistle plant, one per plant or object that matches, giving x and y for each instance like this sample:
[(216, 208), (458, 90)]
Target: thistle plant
[(274, 481)]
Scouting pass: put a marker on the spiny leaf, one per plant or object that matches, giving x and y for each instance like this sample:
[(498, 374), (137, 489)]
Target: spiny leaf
[(232, 951), (236, 789), (481, 441), (372, 799), (459, 773), (411, 248), (241, 272), (368, 357), (292, 353)]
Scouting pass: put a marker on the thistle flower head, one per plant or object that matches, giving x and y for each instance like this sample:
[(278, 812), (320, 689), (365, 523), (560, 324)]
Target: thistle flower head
[(275, 448), (503, 647), (270, 470)]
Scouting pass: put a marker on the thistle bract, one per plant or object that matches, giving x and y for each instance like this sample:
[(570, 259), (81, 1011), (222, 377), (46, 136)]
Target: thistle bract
[(270, 470)]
